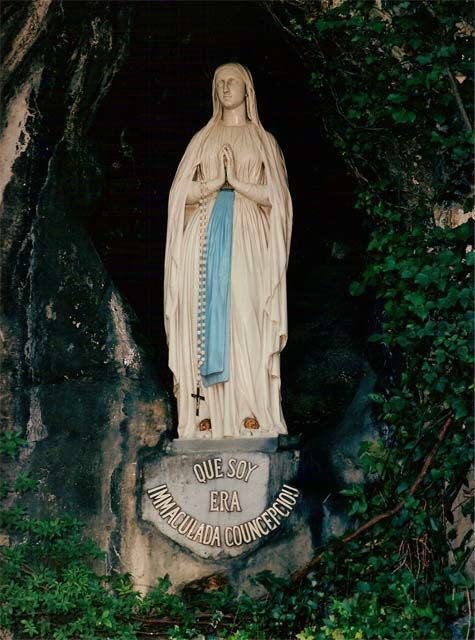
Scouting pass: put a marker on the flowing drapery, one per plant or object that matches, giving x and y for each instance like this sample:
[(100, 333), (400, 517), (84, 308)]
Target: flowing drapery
[(262, 248)]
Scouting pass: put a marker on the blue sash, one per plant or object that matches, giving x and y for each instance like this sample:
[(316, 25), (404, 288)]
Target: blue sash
[(215, 367)]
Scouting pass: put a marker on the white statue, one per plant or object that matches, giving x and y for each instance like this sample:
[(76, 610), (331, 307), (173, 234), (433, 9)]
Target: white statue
[(228, 238)]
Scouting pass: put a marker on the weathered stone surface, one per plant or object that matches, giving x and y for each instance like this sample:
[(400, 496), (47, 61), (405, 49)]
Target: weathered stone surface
[(71, 358), (330, 463), (461, 524)]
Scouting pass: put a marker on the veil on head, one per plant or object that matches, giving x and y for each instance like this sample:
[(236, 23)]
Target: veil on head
[(251, 103)]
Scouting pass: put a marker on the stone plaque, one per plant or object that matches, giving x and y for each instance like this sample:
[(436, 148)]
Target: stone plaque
[(220, 504)]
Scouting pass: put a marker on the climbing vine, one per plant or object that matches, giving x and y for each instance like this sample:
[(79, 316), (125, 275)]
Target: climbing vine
[(395, 95), (393, 87)]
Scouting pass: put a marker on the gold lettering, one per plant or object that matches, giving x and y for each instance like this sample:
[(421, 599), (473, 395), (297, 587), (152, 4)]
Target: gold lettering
[(251, 467), (224, 499), (246, 535), (213, 501), (232, 468), (237, 535), (174, 522), (208, 534), (171, 514), (218, 468), (261, 528), (157, 491), (198, 471), (227, 539), (268, 521), (254, 529), (285, 514), (192, 529), (216, 539), (198, 536), (241, 469), (185, 525), (273, 514), (295, 491), (235, 505)]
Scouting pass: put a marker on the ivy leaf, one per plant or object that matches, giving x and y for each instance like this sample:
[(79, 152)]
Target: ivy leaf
[(397, 98), (357, 288), (403, 116), (424, 58), (460, 408), (423, 279)]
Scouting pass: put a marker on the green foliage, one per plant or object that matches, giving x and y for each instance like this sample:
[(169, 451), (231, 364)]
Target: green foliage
[(10, 443), (49, 590), (395, 97)]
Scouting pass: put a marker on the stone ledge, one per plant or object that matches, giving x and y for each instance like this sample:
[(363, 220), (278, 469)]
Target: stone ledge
[(221, 445)]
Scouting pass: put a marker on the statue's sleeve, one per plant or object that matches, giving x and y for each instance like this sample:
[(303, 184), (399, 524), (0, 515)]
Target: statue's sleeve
[(278, 252), (173, 258)]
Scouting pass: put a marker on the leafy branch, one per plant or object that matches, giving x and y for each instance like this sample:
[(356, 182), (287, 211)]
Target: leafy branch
[(302, 573)]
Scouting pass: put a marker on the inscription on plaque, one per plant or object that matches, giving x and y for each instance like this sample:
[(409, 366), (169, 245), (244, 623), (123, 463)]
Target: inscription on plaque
[(222, 501), (213, 468)]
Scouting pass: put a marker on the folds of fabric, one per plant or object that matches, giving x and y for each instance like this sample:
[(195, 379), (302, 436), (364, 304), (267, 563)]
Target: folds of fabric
[(258, 306), (218, 276)]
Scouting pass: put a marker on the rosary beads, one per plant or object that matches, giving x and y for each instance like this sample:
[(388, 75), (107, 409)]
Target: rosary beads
[(201, 315)]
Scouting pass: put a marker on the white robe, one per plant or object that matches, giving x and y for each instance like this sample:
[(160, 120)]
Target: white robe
[(258, 314)]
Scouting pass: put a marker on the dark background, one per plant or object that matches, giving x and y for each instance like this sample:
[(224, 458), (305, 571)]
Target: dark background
[(158, 100)]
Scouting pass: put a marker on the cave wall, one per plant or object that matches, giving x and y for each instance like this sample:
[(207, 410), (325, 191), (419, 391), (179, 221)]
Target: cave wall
[(72, 368), (77, 379)]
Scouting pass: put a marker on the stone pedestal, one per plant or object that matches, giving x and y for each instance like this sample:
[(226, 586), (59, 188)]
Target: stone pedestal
[(222, 499)]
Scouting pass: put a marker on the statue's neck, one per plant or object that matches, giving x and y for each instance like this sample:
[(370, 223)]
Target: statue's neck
[(235, 117)]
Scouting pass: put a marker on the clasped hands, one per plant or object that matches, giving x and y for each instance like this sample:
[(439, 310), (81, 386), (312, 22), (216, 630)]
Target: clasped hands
[(258, 193), (227, 170), (226, 166)]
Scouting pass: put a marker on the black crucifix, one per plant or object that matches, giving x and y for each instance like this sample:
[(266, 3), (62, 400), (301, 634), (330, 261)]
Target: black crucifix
[(197, 398)]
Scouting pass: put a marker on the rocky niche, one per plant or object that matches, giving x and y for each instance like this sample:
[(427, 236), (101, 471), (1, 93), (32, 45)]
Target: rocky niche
[(78, 379)]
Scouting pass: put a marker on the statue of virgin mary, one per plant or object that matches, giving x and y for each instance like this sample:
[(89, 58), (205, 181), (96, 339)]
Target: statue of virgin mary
[(228, 239)]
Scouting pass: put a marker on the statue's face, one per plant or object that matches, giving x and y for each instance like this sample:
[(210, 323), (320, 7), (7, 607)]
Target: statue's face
[(230, 88)]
